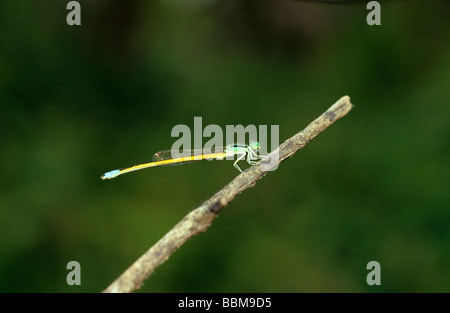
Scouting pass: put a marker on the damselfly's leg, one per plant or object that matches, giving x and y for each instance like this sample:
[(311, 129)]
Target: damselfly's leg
[(252, 154), (242, 156)]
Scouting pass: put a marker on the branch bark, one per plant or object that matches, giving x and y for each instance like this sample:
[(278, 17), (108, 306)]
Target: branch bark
[(200, 219)]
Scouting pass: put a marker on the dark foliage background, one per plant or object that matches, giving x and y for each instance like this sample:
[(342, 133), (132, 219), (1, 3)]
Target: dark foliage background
[(78, 101)]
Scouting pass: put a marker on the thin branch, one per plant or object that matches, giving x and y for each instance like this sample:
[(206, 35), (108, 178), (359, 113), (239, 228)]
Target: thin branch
[(201, 218)]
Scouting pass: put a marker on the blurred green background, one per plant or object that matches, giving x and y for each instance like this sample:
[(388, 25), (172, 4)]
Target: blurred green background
[(78, 101)]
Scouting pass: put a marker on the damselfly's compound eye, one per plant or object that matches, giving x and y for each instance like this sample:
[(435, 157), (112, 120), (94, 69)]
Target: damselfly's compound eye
[(254, 145)]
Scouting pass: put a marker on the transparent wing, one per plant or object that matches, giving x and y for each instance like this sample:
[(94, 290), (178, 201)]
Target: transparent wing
[(177, 156)]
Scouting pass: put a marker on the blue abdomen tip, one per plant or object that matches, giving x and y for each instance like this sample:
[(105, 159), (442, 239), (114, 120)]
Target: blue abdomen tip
[(110, 174)]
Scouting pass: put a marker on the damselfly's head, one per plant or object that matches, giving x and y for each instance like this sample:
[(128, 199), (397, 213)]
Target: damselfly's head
[(254, 145)]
